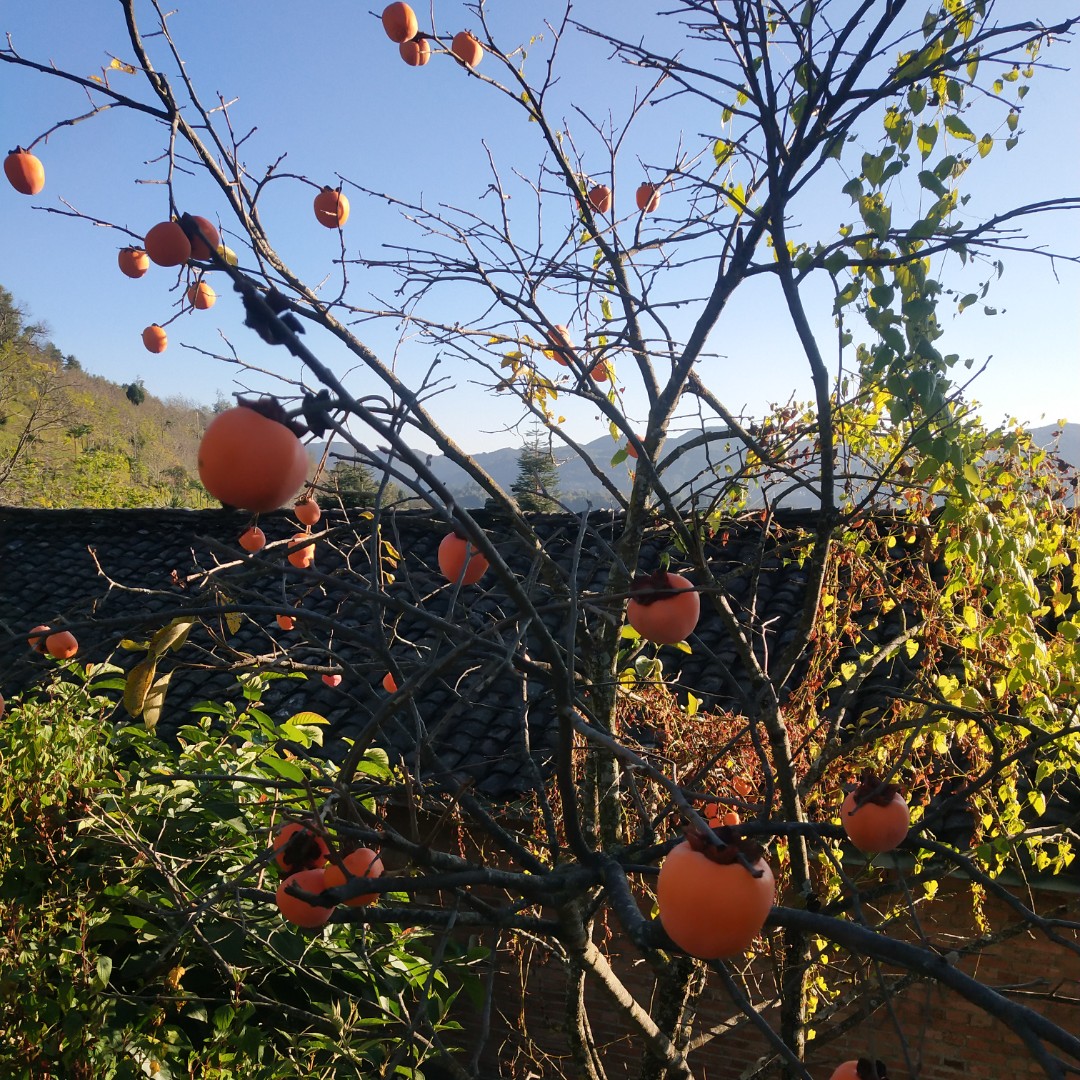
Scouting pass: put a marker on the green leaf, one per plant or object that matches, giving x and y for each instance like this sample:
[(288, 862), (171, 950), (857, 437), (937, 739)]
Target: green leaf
[(925, 138), (955, 126), (929, 181), (722, 152), (916, 99), (985, 145), (104, 970), (307, 718)]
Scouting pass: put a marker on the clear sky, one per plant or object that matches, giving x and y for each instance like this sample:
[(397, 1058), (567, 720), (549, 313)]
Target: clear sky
[(321, 83)]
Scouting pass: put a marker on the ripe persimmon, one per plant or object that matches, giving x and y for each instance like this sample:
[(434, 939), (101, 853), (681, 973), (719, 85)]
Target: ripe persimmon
[(300, 912), (663, 607), (333, 679), (24, 171), (710, 904), (399, 22), (600, 198), (155, 339), (195, 228), (647, 198), (362, 863), (631, 450), (467, 49), (62, 645), (302, 557), (389, 683), (36, 638), (600, 372), (133, 262), (201, 296), (286, 622), (252, 539), (415, 53), (250, 460), (167, 244), (875, 815), (307, 511), (459, 560), (298, 847), (559, 345), (331, 208), (863, 1069)]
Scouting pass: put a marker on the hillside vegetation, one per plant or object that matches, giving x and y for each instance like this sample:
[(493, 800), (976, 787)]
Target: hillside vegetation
[(69, 438)]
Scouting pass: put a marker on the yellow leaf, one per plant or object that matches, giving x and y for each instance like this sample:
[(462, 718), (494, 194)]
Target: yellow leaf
[(155, 699), (307, 718), (171, 636), (233, 620), (138, 685)]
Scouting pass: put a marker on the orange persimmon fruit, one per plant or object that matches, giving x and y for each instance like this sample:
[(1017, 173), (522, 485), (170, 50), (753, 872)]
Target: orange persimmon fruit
[(201, 296), (399, 22), (307, 511), (167, 244), (415, 53), (467, 49), (663, 607), (195, 228), (155, 339), (61, 645), (600, 198), (300, 912), (389, 683), (875, 815), (302, 557), (133, 262), (252, 539), (331, 208), (459, 560), (296, 846), (24, 171), (362, 863), (36, 638), (647, 198)]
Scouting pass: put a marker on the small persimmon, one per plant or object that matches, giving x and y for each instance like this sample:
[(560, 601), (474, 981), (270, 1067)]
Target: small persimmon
[(36, 638), (647, 198), (600, 372), (399, 22), (362, 863), (459, 560), (389, 683), (24, 171), (250, 459), (302, 557), (631, 450), (167, 244), (252, 539), (663, 607), (133, 262), (307, 511), (300, 912), (155, 339), (201, 296), (467, 49), (600, 198), (286, 622), (331, 208), (710, 904), (61, 645), (875, 815), (333, 679), (415, 53), (297, 846), (716, 816)]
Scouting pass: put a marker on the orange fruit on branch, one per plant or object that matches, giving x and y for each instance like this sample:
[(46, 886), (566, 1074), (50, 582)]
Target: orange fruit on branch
[(36, 638), (24, 171), (202, 235), (389, 683), (399, 22), (62, 645), (863, 1069), (252, 539), (600, 198), (647, 198), (250, 458), (302, 557), (286, 622), (201, 296), (459, 560), (560, 345), (167, 244), (307, 511), (467, 49), (711, 905), (331, 208), (663, 607), (415, 53), (133, 262), (362, 863), (300, 912), (875, 815), (296, 847), (155, 339)]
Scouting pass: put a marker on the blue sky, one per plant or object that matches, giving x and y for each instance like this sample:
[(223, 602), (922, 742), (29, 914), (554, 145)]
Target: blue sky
[(321, 83)]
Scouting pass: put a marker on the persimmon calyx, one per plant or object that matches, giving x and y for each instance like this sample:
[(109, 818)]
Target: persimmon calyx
[(872, 789), (272, 409), (732, 848)]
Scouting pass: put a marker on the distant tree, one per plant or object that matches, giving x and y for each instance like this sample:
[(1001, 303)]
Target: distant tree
[(537, 483), (71, 363), (135, 392), (352, 483)]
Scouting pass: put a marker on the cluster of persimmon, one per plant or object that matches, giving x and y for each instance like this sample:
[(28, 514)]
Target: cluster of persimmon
[(301, 853), (601, 200), (59, 644), (401, 26)]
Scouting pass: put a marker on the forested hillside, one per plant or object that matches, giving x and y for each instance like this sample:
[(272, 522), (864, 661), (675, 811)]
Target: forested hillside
[(69, 438)]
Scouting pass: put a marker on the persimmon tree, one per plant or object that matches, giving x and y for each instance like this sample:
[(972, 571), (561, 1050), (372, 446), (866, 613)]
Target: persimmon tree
[(938, 566)]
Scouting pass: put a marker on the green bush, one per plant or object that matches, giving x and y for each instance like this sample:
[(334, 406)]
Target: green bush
[(140, 937)]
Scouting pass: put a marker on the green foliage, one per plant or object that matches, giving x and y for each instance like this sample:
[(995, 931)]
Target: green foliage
[(537, 483), (139, 934)]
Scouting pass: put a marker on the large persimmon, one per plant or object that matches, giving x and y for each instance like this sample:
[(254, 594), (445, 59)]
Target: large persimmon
[(467, 49), (24, 171), (297, 846), (362, 863), (415, 53), (600, 198), (303, 556), (252, 539), (201, 296), (167, 244), (61, 645), (155, 339), (711, 905), (663, 607), (300, 912), (133, 262), (249, 458), (399, 22), (647, 198), (331, 208), (460, 561), (875, 815), (307, 511), (202, 235)]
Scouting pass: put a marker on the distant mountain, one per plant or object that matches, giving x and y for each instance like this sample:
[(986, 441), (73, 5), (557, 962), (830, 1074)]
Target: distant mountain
[(579, 487)]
